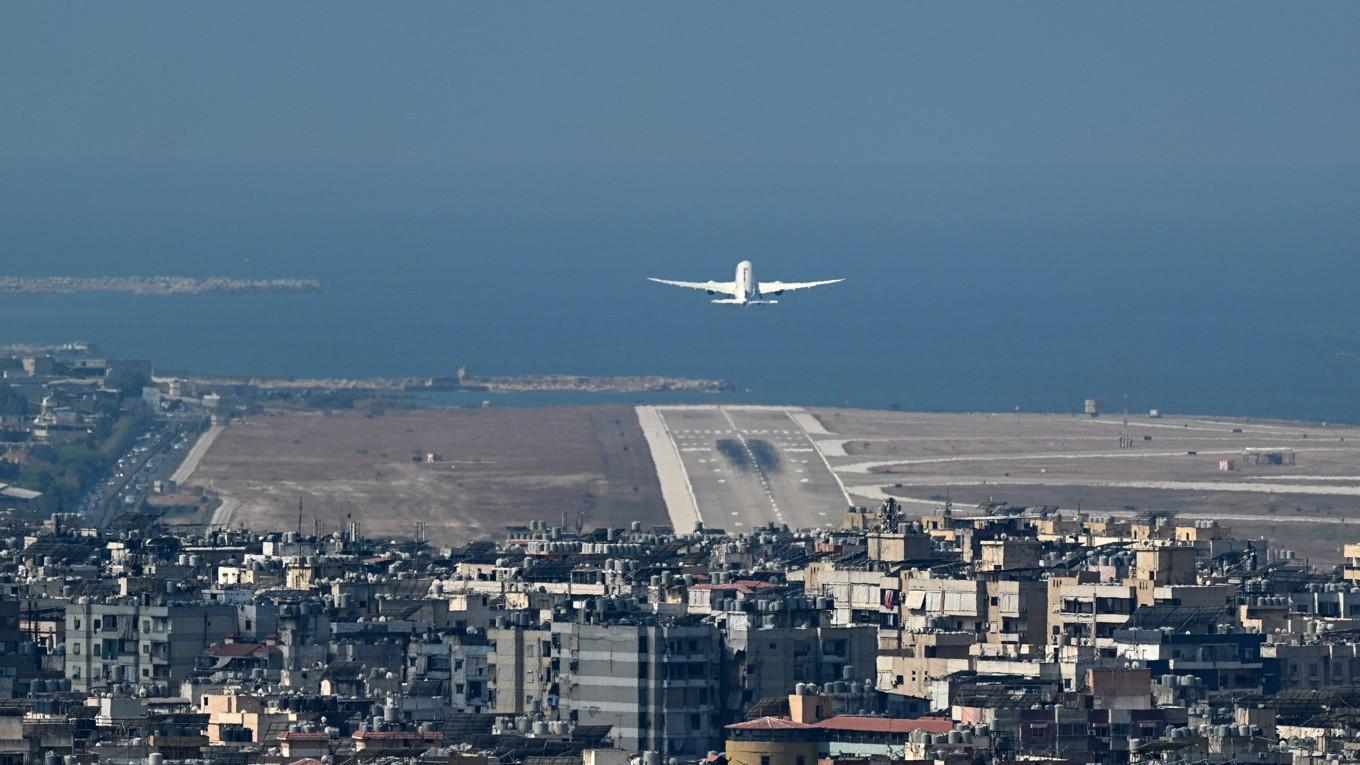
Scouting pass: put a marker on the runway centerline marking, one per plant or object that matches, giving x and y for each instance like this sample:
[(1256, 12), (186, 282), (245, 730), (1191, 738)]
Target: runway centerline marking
[(760, 471)]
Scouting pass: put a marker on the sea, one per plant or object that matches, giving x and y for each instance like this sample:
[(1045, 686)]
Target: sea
[(1210, 290)]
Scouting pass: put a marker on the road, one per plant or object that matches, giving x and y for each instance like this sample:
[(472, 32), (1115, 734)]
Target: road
[(195, 455), (152, 457)]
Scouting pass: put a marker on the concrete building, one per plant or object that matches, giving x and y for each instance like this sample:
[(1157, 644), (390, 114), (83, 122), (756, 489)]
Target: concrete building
[(519, 668), (110, 644), (1088, 613), (656, 685), (766, 656)]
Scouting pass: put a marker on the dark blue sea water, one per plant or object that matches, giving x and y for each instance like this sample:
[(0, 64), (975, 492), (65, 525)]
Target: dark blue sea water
[(1221, 290)]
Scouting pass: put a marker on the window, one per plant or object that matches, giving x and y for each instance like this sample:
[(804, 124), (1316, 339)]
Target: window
[(76, 625), (75, 649), (98, 649), (800, 760), (98, 625), (764, 759)]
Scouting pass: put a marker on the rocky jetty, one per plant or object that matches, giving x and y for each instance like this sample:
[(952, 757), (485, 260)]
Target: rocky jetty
[(154, 285)]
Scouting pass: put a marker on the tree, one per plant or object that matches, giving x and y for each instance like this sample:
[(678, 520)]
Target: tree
[(128, 382), (12, 402)]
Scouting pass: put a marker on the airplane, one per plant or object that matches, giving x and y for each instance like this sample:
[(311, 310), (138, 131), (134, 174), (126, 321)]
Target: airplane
[(745, 290)]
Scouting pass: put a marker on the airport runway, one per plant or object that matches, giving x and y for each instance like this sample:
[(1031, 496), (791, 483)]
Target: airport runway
[(741, 467)]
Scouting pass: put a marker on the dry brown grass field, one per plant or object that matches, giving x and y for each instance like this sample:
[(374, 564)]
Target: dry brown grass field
[(500, 467)]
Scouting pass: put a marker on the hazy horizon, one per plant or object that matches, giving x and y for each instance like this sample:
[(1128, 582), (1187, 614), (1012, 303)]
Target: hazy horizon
[(1067, 82), (1030, 205)]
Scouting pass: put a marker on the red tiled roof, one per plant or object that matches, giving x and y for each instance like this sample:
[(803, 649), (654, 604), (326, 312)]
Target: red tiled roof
[(887, 724), (852, 723)]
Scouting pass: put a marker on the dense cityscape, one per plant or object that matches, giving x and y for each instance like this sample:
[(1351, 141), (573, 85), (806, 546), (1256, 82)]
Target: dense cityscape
[(132, 633)]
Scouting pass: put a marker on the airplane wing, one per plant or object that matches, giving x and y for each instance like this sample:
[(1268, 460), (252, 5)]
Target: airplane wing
[(726, 288), (774, 288)]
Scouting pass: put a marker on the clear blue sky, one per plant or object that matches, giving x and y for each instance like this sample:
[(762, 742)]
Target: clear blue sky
[(1045, 82)]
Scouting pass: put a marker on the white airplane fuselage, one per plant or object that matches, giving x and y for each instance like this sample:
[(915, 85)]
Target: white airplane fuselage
[(747, 286), (748, 289)]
